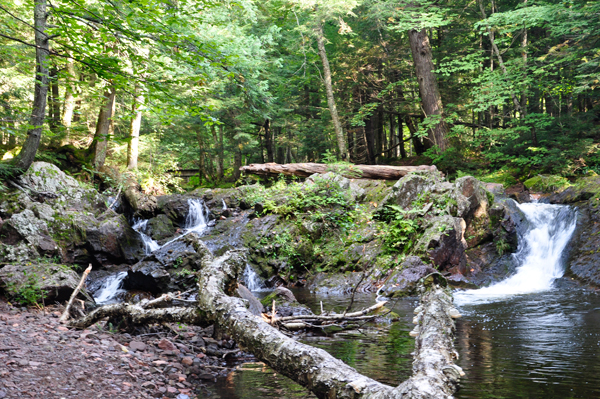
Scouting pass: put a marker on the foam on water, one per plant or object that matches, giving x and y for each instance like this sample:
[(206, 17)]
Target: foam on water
[(538, 256)]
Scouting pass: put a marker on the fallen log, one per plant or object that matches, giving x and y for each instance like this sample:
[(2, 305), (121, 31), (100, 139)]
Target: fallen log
[(376, 172), (434, 374)]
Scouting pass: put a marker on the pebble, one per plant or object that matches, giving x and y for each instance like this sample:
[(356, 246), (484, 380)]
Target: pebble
[(137, 346)]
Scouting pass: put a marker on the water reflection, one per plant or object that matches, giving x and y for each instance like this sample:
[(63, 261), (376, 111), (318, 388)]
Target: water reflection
[(532, 346), (543, 345)]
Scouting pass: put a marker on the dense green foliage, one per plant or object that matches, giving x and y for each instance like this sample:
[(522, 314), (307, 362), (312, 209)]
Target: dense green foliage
[(232, 83)]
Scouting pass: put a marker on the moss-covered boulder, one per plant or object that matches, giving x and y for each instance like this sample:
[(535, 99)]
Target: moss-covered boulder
[(404, 280), (25, 226), (160, 227), (443, 243), (35, 282), (584, 189), (546, 183)]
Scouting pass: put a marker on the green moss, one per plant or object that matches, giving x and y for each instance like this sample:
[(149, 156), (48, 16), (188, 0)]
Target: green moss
[(547, 183)]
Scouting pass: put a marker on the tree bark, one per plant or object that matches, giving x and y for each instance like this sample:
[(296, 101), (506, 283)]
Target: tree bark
[(401, 137), (337, 125), (380, 172), (134, 130), (201, 170), (54, 102), (268, 140), (99, 146), (428, 87), (69, 104), (40, 94)]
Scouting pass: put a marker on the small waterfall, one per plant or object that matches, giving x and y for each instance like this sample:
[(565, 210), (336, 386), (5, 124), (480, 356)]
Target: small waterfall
[(110, 289), (224, 205), (252, 281), (149, 244), (197, 218), (538, 256)]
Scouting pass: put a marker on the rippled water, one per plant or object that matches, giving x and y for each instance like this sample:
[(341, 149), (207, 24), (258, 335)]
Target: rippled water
[(544, 345)]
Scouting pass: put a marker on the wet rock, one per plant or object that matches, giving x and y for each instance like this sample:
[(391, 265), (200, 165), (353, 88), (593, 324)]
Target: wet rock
[(404, 281), (170, 268), (113, 240), (160, 227), (254, 305), (175, 207), (583, 190), (584, 257)]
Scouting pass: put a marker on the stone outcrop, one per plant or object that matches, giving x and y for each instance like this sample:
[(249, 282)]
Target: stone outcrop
[(405, 281)]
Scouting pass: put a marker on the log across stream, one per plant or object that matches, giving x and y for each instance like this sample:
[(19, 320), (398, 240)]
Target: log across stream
[(543, 345)]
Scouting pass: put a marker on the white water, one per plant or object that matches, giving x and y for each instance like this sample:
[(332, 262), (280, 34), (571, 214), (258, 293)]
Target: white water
[(538, 256), (149, 244), (252, 281), (110, 289)]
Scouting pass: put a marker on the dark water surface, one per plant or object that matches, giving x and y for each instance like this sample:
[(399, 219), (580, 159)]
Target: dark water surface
[(544, 345)]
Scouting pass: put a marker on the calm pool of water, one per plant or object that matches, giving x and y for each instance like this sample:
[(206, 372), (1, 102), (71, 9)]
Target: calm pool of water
[(544, 345)]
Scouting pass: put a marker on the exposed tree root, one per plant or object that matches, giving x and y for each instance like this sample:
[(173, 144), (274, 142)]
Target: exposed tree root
[(434, 374)]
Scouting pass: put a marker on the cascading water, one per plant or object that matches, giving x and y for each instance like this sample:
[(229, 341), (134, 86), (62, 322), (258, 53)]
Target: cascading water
[(538, 257), (110, 289), (252, 281), (197, 218), (149, 244)]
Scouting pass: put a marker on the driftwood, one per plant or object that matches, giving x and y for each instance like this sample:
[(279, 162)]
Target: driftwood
[(434, 374), (377, 172), (65, 316)]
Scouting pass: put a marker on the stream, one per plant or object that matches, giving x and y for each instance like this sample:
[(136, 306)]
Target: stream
[(534, 335)]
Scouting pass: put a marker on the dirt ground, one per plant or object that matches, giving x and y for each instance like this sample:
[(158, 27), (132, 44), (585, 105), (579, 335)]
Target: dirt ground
[(40, 358)]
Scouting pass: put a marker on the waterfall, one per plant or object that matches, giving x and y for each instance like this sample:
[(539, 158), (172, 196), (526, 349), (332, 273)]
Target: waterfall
[(538, 257), (110, 289), (252, 281), (149, 244), (197, 218)]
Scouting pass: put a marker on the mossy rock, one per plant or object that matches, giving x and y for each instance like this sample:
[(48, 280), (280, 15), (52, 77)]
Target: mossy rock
[(547, 183)]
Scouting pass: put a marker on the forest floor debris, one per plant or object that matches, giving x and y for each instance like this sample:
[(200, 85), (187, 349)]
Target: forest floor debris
[(41, 358)]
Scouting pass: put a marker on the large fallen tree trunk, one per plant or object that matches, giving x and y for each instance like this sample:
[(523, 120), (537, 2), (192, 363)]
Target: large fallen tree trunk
[(434, 374), (378, 172)]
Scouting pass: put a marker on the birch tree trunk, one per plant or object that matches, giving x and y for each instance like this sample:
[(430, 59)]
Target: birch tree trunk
[(428, 87), (337, 126), (134, 130), (40, 94)]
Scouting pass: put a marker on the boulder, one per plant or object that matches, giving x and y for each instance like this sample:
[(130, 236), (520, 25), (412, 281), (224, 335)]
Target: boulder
[(583, 190), (175, 207), (160, 227), (404, 281), (18, 253), (169, 268), (355, 192), (34, 282), (25, 226), (584, 257), (408, 189), (112, 240), (444, 244)]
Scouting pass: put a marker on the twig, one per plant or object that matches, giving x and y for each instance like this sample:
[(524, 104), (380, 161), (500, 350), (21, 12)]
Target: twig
[(65, 315), (354, 315), (116, 198)]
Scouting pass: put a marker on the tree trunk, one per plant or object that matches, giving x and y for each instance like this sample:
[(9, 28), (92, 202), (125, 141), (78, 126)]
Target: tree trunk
[(99, 146), (218, 140), (337, 126), (428, 87), (69, 104), (370, 140), (381, 172), (268, 140), (40, 94), (134, 130), (201, 170), (54, 104), (401, 137)]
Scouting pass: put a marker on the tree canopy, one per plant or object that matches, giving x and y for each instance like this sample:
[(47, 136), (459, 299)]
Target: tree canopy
[(154, 86)]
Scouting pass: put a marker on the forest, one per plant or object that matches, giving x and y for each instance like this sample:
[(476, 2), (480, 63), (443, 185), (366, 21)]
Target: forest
[(499, 89)]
